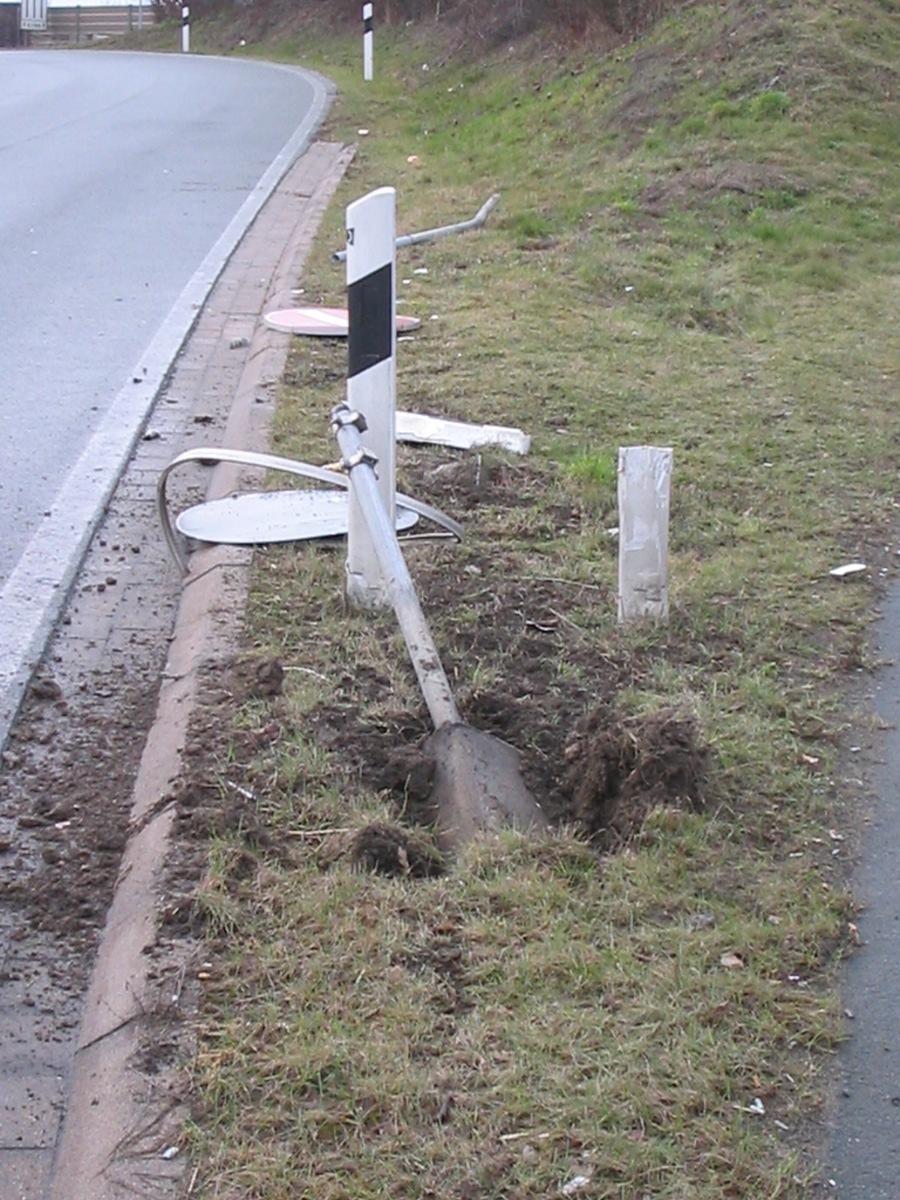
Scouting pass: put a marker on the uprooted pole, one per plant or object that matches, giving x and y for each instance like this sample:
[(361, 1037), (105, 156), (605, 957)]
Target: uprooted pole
[(399, 589), (477, 785)]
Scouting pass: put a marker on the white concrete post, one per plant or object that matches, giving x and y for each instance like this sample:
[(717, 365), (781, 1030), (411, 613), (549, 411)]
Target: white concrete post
[(368, 37), (645, 477), (371, 374), (185, 29)]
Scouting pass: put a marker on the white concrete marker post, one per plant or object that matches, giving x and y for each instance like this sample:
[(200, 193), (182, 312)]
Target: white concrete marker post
[(185, 29), (645, 477), (371, 374), (368, 38)]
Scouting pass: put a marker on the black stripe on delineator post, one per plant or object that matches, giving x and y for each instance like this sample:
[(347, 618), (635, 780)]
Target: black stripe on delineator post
[(370, 339), (368, 39)]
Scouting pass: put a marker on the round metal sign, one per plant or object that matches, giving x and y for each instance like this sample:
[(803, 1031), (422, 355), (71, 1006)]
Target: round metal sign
[(254, 518), (317, 321)]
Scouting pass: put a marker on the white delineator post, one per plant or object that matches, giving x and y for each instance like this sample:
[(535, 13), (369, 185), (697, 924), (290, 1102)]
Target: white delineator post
[(368, 37), (645, 478), (371, 374), (185, 29)]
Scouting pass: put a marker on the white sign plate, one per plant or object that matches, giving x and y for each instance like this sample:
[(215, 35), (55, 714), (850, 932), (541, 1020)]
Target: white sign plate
[(34, 15), (256, 518), (316, 321)]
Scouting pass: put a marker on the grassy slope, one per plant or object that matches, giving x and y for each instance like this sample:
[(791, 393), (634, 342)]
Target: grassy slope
[(697, 246)]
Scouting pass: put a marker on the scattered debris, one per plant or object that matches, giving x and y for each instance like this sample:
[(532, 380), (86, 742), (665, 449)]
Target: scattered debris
[(46, 688), (268, 679), (731, 961), (438, 431), (853, 568), (576, 1184)]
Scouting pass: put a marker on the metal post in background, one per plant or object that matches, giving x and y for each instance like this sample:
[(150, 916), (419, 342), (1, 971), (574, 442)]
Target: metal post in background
[(185, 29), (371, 373), (367, 41)]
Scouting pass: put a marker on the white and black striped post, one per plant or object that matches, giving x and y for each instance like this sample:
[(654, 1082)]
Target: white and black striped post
[(185, 29), (368, 38), (371, 373)]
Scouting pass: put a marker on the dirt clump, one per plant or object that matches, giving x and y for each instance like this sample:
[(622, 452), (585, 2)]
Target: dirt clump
[(621, 768), (392, 850)]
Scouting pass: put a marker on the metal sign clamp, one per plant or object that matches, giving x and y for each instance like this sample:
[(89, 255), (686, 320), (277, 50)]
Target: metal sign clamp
[(362, 455), (341, 415)]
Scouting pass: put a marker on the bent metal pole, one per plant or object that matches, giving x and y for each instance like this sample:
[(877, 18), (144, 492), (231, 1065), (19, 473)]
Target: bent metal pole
[(397, 582)]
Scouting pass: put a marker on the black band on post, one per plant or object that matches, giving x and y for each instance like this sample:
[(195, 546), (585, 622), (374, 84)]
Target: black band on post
[(371, 320)]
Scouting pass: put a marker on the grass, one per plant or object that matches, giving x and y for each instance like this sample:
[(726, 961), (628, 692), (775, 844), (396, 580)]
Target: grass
[(696, 247)]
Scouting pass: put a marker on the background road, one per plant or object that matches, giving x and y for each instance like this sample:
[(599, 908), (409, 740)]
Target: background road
[(127, 179)]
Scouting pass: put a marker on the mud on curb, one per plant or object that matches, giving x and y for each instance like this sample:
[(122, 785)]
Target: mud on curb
[(115, 1082)]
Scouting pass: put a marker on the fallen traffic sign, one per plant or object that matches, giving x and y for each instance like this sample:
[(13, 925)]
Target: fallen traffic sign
[(317, 321)]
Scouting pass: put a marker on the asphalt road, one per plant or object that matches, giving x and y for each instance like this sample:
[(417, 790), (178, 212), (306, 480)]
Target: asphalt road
[(127, 180), (864, 1153)]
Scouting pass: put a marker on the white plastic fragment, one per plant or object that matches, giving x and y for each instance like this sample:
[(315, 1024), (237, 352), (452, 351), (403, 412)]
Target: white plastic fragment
[(170, 1152), (416, 427), (576, 1184), (756, 1108), (853, 568)]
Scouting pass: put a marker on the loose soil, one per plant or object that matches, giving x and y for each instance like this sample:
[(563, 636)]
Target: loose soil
[(587, 761)]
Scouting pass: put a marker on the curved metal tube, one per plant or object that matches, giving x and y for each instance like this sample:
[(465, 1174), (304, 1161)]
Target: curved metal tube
[(272, 462), (432, 235), (397, 580)]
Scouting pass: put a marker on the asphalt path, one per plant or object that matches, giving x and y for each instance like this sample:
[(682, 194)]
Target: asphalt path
[(126, 180), (865, 1143)]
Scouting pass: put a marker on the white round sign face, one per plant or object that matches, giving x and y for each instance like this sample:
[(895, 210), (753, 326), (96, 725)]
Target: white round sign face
[(316, 321), (255, 518)]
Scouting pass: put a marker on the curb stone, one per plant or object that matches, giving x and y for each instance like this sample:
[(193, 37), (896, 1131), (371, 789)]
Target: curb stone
[(121, 1131)]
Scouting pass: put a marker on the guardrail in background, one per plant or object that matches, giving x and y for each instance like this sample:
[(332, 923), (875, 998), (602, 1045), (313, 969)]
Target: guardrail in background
[(86, 23)]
